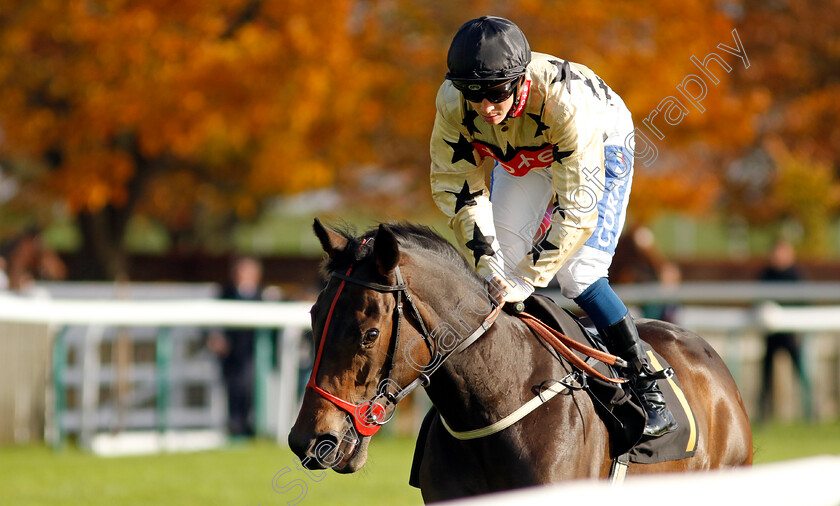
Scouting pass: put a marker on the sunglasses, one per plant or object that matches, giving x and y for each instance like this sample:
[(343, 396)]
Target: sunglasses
[(494, 91)]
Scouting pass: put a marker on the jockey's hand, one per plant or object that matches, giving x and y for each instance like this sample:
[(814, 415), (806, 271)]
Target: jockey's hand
[(514, 289)]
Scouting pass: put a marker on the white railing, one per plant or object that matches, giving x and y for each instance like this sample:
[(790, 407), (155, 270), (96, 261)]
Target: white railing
[(157, 313), (164, 315), (803, 482), (733, 292)]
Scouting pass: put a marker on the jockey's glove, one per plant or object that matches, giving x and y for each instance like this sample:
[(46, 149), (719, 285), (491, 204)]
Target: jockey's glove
[(513, 289)]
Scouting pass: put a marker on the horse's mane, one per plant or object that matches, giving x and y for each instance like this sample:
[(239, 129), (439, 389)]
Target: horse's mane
[(409, 235)]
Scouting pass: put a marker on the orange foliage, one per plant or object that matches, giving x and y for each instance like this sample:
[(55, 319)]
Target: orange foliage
[(807, 191), (797, 54), (265, 103)]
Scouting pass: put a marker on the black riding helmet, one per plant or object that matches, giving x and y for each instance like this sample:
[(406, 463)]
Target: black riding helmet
[(488, 48)]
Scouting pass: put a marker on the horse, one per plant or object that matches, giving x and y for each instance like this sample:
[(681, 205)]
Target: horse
[(371, 325)]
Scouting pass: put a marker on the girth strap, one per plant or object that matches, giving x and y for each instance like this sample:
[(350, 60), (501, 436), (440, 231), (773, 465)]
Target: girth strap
[(618, 469), (541, 398)]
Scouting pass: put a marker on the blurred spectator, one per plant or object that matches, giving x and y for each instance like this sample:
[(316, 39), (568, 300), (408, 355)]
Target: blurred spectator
[(638, 260), (235, 348), (669, 276), (28, 259), (782, 268)]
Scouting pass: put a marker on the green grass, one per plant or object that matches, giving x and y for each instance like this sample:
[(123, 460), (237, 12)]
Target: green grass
[(776, 441), (239, 475), (243, 474)]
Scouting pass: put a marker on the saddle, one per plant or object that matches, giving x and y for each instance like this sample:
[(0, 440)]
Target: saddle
[(617, 404)]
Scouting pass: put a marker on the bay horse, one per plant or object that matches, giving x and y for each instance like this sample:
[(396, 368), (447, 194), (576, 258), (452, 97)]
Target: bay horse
[(402, 308)]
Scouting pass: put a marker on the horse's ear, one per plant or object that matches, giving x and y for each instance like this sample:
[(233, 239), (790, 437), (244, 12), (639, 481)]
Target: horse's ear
[(386, 250), (331, 241)]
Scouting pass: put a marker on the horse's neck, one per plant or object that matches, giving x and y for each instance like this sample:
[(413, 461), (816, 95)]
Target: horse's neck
[(489, 378)]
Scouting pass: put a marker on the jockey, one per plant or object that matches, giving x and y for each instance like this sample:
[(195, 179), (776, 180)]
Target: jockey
[(559, 143)]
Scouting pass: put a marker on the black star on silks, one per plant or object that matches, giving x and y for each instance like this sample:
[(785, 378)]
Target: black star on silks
[(461, 150), (588, 82), (480, 244), (603, 86), (469, 121), (538, 120), (464, 197), (561, 72), (544, 245), (560, 155), (564, 70), (555, 208)]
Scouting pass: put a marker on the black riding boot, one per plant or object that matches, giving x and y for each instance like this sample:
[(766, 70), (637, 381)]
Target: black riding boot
[(623, 337)]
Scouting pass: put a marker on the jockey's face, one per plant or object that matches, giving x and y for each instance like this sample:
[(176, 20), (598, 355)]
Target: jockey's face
[(493, 113)]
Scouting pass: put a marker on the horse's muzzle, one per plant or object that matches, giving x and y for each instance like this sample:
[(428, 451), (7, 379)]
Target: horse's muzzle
[(328, 451)]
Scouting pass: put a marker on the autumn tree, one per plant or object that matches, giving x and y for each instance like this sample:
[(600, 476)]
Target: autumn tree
[(790, 170), (179, 110)]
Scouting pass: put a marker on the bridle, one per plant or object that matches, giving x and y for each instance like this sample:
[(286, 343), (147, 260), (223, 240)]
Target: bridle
[(370, 415)]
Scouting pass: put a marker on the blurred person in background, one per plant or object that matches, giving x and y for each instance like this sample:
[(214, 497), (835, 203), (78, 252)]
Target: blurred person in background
[(781, 268), (559, 144), (669, 277), (638, 260), (235, 348), (28, 259)]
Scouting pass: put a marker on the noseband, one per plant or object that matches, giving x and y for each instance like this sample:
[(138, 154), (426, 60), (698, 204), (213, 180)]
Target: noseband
[(370, 415)]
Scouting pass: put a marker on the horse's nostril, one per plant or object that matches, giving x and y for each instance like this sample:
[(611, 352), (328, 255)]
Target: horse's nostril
[(323, 452), (329, 440)]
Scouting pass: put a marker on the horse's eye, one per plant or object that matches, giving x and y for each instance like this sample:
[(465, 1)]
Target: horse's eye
[(370, 336)]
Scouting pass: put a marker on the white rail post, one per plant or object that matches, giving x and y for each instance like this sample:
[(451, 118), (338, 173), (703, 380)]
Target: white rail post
[(289, 361), (90, 385)]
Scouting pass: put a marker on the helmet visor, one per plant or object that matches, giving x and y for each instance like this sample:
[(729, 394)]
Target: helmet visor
[(494, 91)]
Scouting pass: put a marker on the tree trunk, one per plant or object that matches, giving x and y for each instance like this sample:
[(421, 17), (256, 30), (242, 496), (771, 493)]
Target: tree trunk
[(103, 254)]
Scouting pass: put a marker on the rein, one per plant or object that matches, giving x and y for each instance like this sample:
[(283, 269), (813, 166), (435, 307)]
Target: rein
[(563, 343), (369, 416)]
